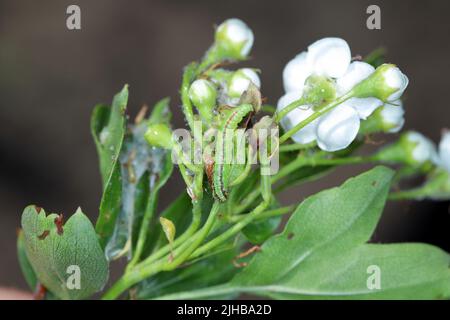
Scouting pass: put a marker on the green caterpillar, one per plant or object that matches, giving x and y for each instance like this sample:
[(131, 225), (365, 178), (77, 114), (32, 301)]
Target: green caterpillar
[(223, 171)]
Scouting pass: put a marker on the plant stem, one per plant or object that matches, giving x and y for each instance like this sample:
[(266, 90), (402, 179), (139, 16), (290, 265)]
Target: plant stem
[(196, 219), (238, 226), (202, 234), (145, 270), (296, 146), (317, 161), (231, 231), (264, 215), (326, 108), (149, 213), (291, 106)]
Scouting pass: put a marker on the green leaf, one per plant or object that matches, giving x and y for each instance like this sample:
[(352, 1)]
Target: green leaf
[(323, 254), (24, 263), (144, 171), (168, 228), (212, 270), (180, 213), (160, 112), (108, 129), (341, 217), (259, 231), (55, 251)]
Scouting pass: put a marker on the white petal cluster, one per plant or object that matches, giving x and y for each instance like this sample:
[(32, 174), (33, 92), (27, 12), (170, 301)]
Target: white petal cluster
[(395, 80), (240, 81), (444, 151), (235, 38), (423, 148), (331, 58), (392, 116)]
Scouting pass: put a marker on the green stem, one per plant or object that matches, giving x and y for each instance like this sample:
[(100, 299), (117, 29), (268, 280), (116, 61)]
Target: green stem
[(240, 225), (264, 215), (231, 231), (326, 108), (188, 76), (149, 213), (190, 231), (268, 109), (187, 163), (295, 104), (199, 237), (317, 161), (214, 291), (144, 270), (297, 146), (248, 167)]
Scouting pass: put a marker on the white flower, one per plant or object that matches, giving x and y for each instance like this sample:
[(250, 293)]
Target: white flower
[(235, 38), (423, 148), (392, 116), (356, 72), (338, 128), (296, 72), (240, 81), (330, 57), (444, 151), (306, 134), (363, 106)]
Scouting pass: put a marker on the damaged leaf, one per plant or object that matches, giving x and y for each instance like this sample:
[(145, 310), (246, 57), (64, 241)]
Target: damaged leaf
[(64, 254)]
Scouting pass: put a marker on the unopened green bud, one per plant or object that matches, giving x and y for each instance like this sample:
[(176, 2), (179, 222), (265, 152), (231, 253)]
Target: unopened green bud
[(412, 149), (387, 83), (203, 95), (233, 39), (240, 82), (388, 118), (159, 135)]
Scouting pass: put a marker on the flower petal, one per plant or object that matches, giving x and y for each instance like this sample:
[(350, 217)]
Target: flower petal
[(337, 129), (424, 149), (329, 57), (356, 72), (295, 73), (393, 116), (444, 150), (396, 79), (364, 106), (306, 134)]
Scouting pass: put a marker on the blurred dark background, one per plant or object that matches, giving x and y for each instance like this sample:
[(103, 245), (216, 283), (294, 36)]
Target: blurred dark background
[(50, 79)]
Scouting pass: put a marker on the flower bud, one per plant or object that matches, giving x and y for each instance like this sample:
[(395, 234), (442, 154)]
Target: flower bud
[(240, 81), (444, 151), (234, 39), (389, 118), (387, 83), (159, 135), (412, 148), (392, 117), (203, 95)]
